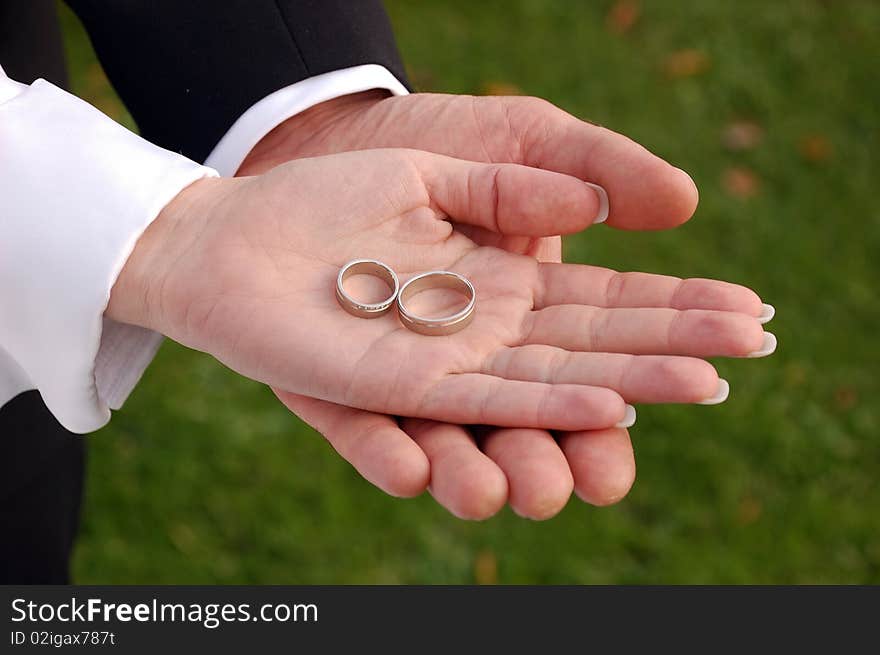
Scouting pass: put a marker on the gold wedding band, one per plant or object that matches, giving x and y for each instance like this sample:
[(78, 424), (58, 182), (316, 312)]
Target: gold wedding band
[(366, 267), (444, 324)]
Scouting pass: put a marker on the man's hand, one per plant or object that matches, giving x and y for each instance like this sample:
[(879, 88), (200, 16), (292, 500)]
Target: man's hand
[(473, 475), (646, 192)]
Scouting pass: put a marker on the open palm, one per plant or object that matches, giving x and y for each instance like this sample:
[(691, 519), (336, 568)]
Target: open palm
[(256, 290)]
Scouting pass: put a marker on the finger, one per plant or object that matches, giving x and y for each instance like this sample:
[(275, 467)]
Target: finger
[(463, 479), (372, 443), (650, 331), (590, 285), (638, 378), (645, 192), (473, 398), (538, 476), (602, 463), (508, 198)]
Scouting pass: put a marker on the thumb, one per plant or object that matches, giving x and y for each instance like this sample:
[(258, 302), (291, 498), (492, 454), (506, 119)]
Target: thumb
[(509, 198), (647, 193)]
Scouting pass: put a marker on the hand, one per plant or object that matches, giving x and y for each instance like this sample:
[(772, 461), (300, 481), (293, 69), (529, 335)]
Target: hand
[(646, 192), (245, 269), (526, 466)]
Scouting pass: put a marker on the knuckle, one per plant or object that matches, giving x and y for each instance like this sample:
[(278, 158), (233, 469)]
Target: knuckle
[(614, 288)]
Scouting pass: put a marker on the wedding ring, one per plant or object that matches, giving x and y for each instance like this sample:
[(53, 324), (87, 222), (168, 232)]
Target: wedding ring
[(366, 267), (444, 324)]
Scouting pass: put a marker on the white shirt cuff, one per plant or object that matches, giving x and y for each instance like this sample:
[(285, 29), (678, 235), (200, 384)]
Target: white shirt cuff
[(76, 192), (277, 107)]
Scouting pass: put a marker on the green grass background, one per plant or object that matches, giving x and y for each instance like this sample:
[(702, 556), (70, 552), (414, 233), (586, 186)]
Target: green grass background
[(205, 478)]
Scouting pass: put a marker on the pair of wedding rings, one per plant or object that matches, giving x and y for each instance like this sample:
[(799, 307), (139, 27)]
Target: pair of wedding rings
[(400, 295)]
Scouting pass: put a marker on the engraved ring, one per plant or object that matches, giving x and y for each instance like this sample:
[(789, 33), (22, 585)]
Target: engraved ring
[(366, 267), (444, 324)]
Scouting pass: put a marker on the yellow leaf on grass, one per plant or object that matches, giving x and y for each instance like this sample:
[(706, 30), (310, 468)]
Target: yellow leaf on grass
[(623, 15), (742, 135), (486, 568), (500, 89), (740, 182), (846, 398), (815, 148), (749, 510), (686, 63)]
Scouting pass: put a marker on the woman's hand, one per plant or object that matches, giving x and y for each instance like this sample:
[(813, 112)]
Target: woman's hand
[(245, 269)]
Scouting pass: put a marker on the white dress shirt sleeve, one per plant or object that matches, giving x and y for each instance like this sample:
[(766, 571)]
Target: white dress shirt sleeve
[(76, 192)]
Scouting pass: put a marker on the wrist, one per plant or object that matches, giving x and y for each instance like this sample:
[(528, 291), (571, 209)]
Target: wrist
[(295, 136), (136, 296)]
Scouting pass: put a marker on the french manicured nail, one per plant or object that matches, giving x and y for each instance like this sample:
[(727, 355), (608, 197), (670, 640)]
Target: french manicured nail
[(720, 395), (688, 176), (767, 348), (629, 418), (767, 313), (604, 206)]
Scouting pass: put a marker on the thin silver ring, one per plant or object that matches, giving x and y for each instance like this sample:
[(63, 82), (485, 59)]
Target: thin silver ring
[(444, 324), (366, 267)]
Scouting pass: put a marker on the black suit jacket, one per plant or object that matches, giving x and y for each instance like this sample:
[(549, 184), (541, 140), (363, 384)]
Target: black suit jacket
[(187, 69)]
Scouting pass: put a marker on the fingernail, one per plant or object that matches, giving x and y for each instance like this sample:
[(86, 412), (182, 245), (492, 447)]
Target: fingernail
[(629, 418), (767, 313), (720, 395), (767, 347), (602, 216), (688, 175)]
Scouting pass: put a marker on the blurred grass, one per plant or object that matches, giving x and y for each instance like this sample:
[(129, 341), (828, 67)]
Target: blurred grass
[(205, 478)]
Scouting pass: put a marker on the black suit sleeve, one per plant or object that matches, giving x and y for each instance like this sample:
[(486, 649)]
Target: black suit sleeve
[(187, 69), (30, 41)]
